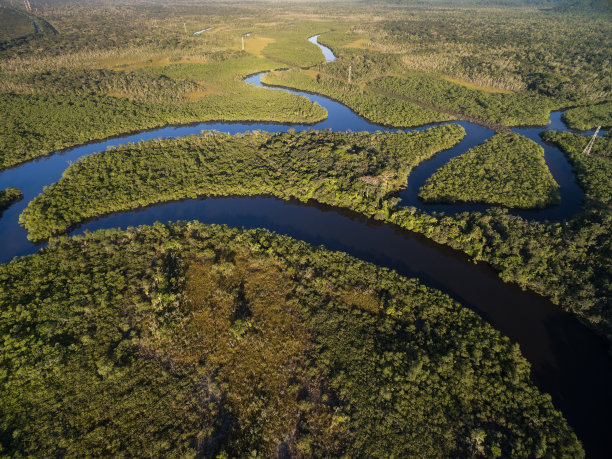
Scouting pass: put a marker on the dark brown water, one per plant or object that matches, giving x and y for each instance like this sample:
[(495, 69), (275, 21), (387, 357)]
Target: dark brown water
[(568, 361)]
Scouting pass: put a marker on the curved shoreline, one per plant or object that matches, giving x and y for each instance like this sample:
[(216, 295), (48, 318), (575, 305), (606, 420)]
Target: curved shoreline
[(571, 193), (568, 360)]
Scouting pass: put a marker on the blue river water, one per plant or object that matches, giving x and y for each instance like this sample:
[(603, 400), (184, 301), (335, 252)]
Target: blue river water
[(568, 360)]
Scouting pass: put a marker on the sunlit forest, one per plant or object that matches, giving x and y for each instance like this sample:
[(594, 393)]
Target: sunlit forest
[(507, 169), (226, 332), (478, 130)]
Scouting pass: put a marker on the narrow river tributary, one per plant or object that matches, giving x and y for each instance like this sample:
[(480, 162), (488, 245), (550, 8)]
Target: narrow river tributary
[(568, 361)]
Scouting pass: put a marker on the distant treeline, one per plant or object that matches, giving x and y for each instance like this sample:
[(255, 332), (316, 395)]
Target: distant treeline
[(544, 52)]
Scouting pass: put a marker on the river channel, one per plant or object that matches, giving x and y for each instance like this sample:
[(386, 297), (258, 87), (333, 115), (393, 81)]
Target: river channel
[(568, 361)]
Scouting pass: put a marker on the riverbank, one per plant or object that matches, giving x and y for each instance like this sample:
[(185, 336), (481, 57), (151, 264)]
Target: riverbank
[(568, 360)]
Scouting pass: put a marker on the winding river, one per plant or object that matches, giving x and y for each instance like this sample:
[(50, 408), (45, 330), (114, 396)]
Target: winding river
[(568, 361)]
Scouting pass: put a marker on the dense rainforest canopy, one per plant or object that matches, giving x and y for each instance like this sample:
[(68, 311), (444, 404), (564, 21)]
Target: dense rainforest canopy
[(182, 339), (363, 172), (356, 170), (507, 169), (7, 197), (195, 340)]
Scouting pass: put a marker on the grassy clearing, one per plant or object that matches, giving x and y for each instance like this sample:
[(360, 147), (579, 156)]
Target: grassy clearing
[(295, 50), (135, 63), (255, 45), (361, 43), (207, 90), (476, 87), (14, 24)]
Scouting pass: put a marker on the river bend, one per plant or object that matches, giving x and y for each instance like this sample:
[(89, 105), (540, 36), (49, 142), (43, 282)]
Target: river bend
[(568, 360)]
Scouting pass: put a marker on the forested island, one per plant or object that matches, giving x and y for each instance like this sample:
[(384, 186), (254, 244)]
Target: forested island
[(456, 123), (8, 197), (507, 169), (357, 171)]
